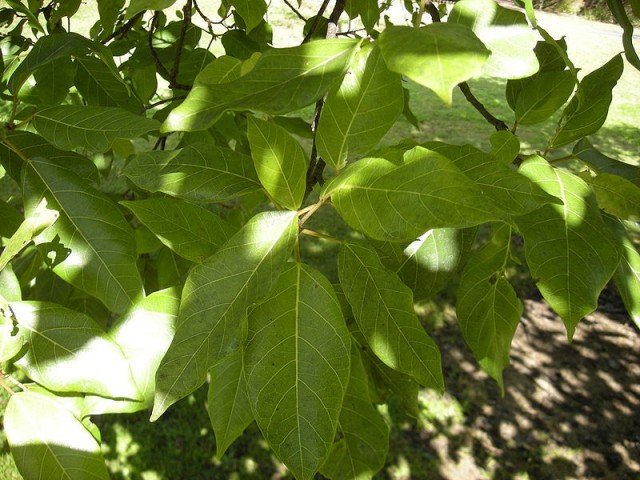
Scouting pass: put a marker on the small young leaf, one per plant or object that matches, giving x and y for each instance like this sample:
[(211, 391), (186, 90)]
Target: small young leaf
[(383, 308), (200, 172), (69, 352), (47, 441), (297, 368), (189, 230), (438, 56), (280, 162), (215, 300), (228, 401)]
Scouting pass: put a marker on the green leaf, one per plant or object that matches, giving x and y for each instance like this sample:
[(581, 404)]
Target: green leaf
[(365, 443), (308, 70), (109, 11), (53, 81), (488, 309), (10, 290), (228, 401), (438, 56), (504, 31), (11, 219), (617, 196), (215, 300), (24, 145), (100, 87), (38, 220), (221, 70), (383, 309), (11, 342), (568, 247), (47, 441), (432, 261), (600, 163), (505, 147), (513, 192), (100, 256), (280, 162), (620, 14), (53, 47), (189, 230), (143, 334), (137, 6), (94, 128), (368, 10), (69, 352), (358, 114), (627, 275), (542, 96), (297, 368), (200, 172), (400, 202), (31, 18), (251, 11), (589, 106)]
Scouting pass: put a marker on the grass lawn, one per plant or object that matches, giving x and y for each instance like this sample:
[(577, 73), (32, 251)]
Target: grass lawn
[(181, 445)]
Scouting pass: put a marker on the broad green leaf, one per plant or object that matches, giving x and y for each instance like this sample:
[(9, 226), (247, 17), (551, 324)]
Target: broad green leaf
[(69, 352), (215, 300), (488, 309), (280, 162), (251, 11), (383, 308), (368, 10), (221, 70), (20, 146), (620, 14), (400, 202), (189, 230), (438, 56), (627, 276), (432, 261), (109, 11), (297, 364), (504, 31), (365, 433), (568, 248), (228, 401), (11, 219), (11, 342), (617, 196), (94, 128), (587, 110), (308, 70), (52, 47), (53, 81), (200, 172), (513, 192), (100, 87), (100, 251), (143, 334), (31, 18), (137, 6), (542, 96), (10, 290), (505, 147), (600, 163), (37, 221), (48, 442), (358, 114)]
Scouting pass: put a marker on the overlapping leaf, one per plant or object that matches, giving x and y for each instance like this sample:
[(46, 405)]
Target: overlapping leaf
[(47, 441), (280, 162), (94, 128), (307, 70), (99, 86), (251, 11), (438, 56), (506, 34), (505, 146), (568, 247), (383, 308), (189, 230), (200, 172), (358, 114), (69, 352), (297, 360), (601, 163), (100, 251), (215, 299), (627, 276), (228, 401), (617, 196), (488, 309), (400, 202)]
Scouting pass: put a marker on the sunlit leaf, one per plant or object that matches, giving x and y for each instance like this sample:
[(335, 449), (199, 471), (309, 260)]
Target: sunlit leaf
[(215, 299), (297, 368), (617, 196), (251, 11), (505, 146), (137, 6), (601, 163)]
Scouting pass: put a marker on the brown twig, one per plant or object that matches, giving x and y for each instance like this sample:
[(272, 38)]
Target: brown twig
[(316, 21), (161, 68), (186, 21), (124, 28), (295, 11), (166, 100)]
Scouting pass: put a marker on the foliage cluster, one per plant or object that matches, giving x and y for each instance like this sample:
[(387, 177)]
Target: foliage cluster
[(194, 275)]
